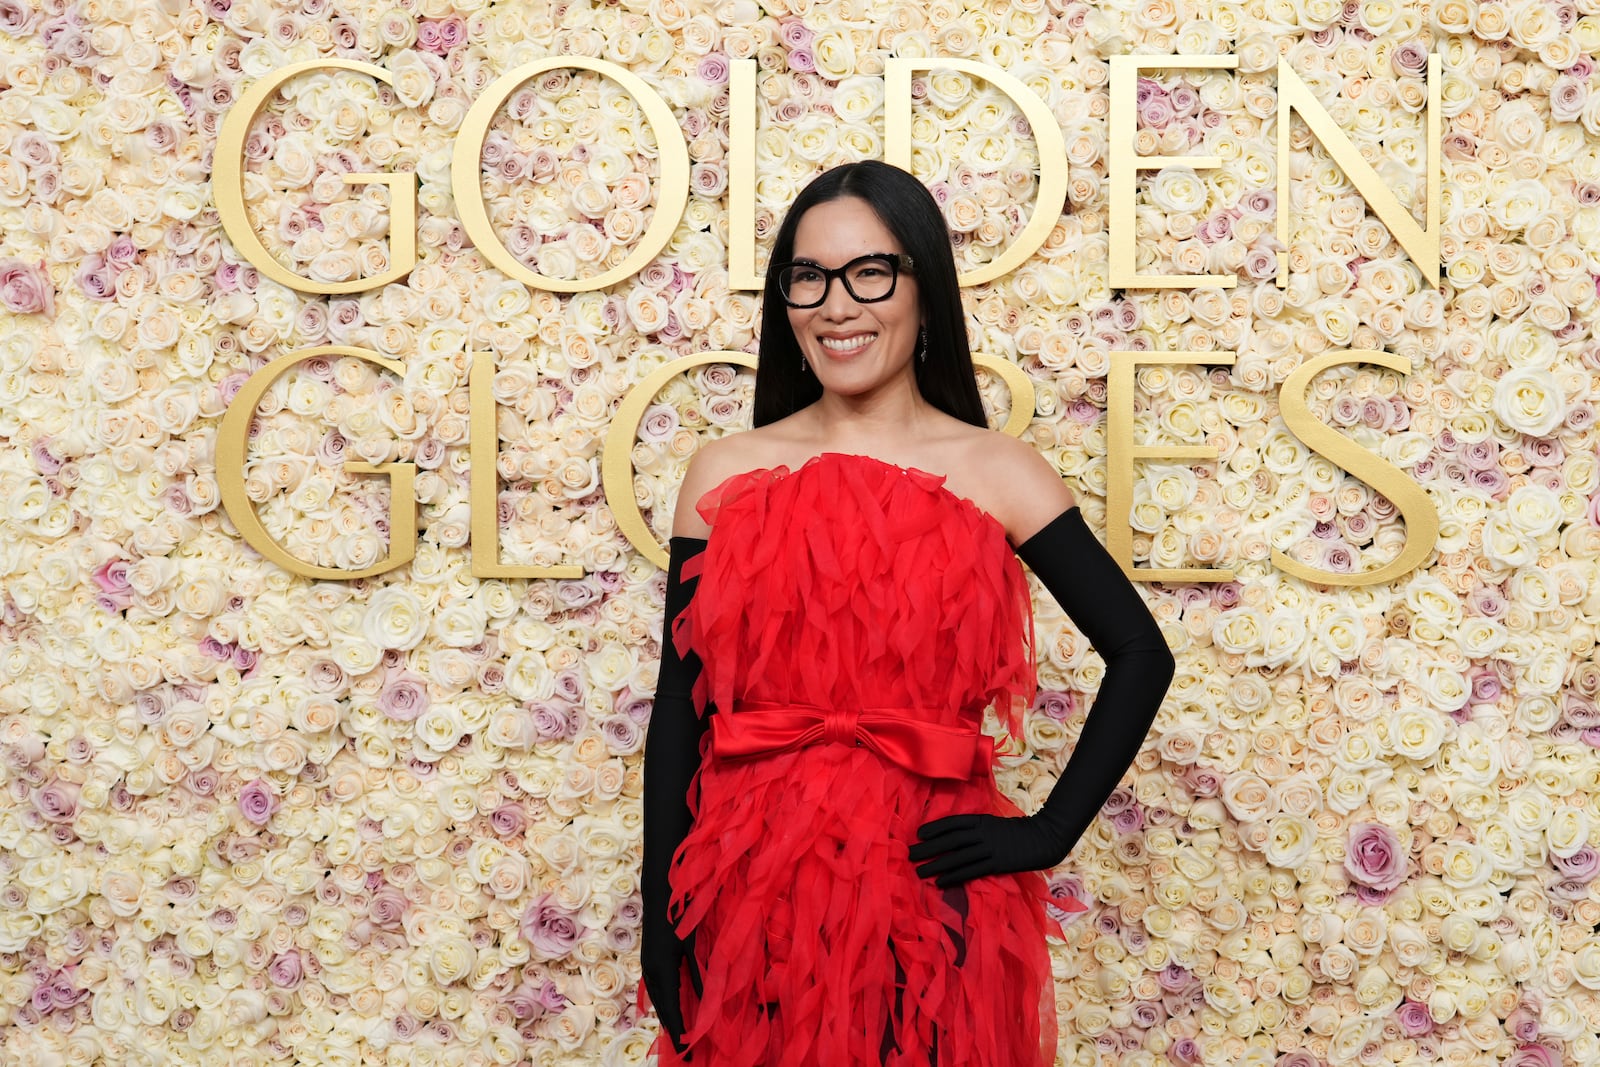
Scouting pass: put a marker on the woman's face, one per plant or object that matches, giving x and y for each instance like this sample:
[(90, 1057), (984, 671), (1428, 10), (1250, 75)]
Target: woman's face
[(853, 347)]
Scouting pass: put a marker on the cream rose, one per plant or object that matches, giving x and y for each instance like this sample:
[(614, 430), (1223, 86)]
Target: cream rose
[(1530, 401)]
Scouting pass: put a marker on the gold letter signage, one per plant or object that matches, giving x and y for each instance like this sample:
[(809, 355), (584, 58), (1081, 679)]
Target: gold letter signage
[(1420, 242), (233, 436), (227, 187), (468, 190)]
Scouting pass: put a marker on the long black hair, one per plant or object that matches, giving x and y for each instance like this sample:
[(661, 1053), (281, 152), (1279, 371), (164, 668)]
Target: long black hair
[(909, 212)]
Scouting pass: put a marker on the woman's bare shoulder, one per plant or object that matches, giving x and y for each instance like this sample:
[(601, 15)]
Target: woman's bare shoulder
[(713, 463), (1026, 489)]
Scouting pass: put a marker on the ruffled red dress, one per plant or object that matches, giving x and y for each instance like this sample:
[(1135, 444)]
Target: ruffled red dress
[(854, 619)]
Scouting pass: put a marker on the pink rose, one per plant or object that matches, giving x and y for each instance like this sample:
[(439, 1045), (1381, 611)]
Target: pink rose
[(550, 928), (508, 820), (57, 801), (1055, 705), (1298, 1058), (97, 279), (622, 734), (112, 576), (285, 970), (257, 802), (404, 696), (1581, 866), (795, 34), (1185, 1050), (387, 908), (1414, 1019), (25, 290), (1534, 1056), (122, 253), (1523, 1024), (1374, 856), (713, 68), (15, 18), (525, 1003)]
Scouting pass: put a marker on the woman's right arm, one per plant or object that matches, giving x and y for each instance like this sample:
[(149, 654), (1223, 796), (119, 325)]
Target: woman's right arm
[(672, 756)]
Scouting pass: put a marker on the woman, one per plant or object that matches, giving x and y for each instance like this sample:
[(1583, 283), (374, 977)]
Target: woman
[(830, 875)]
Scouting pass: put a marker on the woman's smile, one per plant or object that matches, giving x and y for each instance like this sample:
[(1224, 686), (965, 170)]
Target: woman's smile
[(847, 345)]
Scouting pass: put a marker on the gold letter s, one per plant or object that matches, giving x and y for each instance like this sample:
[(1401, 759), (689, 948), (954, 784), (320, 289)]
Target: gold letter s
[(1422, 518)]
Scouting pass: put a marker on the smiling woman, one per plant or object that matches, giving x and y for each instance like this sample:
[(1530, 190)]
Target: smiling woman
[(873, 311), (841, 881)]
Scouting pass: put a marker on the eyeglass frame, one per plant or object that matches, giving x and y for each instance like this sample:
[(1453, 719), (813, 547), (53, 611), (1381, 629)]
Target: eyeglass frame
[(897, 261)]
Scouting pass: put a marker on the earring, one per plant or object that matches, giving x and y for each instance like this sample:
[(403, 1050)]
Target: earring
[(922, 344), (803, 366)]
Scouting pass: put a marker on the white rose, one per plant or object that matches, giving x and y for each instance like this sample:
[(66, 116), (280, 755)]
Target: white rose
[(1444, 687), (1530, 401), (1341, 633), (1465, 865), (834, 54), (1586, 965), (1534, 509), (528, 676), (1567, 831), (1238, 630), (1479, 638), (1178, 189), (413, 80), (1248, 797), (1417, 734), (1518, 203), (461, 624), (1561, 1018), (856, 99), (1285, 636), (1431, 599), (440, 727), (1290, 840), (451, 959), (1505, 543), (1471, 757), (611, 666), (395, 618), (1544, 672)]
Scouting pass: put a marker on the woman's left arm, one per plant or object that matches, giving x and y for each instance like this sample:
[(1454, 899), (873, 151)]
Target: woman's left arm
[(1105, 606)]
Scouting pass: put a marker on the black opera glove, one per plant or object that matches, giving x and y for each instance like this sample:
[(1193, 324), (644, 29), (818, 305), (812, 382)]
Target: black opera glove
[(671, 757), (1100, 600)]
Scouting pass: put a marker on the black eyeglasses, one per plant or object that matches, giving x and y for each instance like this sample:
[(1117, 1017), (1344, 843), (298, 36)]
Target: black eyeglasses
[(868, 279)]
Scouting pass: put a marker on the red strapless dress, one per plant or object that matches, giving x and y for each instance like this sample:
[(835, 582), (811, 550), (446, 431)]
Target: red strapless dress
[(854, 619)]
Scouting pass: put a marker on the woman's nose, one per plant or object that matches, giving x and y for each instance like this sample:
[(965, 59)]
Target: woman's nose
[(837, 303)]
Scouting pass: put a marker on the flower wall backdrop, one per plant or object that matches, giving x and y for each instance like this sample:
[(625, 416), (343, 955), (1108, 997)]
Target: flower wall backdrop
[(252, 818)]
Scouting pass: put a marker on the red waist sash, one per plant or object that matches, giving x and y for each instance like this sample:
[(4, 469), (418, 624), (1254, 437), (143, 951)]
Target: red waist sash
[(761, 728)]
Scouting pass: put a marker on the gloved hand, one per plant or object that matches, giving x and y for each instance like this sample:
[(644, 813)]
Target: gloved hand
[(671, 757), (963, 847), (662, 956), (1100, 600)]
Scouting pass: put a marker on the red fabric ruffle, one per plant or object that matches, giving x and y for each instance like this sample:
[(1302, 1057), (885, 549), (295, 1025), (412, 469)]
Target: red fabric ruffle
[(851, 582)]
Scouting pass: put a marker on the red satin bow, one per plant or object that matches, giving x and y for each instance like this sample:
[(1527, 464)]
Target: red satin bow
[(758, 728)]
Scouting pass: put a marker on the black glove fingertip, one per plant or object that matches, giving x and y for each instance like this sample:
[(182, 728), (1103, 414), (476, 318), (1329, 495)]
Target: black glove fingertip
[(949, 822)]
